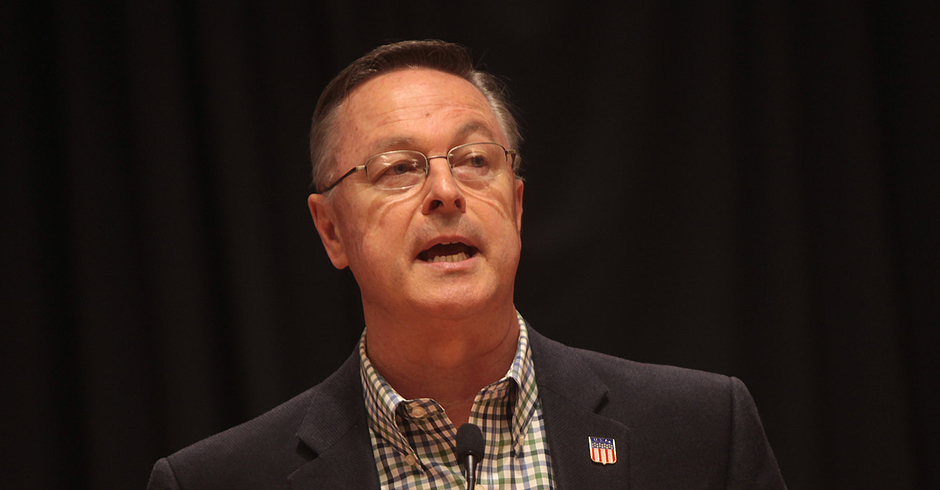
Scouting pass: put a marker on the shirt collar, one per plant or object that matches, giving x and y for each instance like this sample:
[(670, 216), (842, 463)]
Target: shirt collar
[(382, 400)]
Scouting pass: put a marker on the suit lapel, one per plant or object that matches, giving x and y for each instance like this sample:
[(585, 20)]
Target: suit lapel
[(336, 431), (572, 396)]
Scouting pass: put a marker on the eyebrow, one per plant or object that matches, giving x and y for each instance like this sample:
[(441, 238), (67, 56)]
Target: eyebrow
[(393, 142), (474, 127), (406, 141)]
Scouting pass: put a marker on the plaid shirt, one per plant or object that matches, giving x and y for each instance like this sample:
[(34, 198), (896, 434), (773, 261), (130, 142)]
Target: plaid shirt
[(413, 440)]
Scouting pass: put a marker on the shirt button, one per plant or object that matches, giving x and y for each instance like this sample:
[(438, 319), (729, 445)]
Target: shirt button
[(479, 487), (418, 412), (411, 460)]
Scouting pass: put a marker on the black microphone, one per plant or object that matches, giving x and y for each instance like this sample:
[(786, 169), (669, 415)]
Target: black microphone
[(469, 451)]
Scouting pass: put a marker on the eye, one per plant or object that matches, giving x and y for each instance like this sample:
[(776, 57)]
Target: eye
[(402, 167), (478, 160), (396, 169), (472, 158)]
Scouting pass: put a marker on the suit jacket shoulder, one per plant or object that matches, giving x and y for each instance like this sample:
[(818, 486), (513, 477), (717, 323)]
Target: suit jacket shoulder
[(318, 439), (674, 427)]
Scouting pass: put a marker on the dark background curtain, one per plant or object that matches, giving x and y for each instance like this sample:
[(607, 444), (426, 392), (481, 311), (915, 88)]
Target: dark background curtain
[(742, 187)]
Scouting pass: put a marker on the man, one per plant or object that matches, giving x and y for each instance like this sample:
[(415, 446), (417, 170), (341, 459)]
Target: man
[(417, 193)]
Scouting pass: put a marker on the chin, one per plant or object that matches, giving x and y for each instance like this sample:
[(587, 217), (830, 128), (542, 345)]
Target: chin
[(452, 307)]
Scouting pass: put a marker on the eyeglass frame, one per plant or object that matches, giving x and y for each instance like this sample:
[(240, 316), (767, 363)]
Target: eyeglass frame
[(510, 153)]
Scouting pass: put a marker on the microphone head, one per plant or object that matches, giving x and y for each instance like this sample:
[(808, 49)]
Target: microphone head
[(469, 441)]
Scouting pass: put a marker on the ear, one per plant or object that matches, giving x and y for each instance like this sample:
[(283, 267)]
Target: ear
[(324, 218), (519, 187)]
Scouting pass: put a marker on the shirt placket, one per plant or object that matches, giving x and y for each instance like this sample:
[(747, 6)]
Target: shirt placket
[(429, 434)]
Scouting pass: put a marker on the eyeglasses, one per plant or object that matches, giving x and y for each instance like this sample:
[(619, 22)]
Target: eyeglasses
[(401, 169)]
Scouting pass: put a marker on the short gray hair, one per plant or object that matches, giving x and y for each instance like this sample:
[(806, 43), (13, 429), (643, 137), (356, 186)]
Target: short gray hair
[(434, 54)]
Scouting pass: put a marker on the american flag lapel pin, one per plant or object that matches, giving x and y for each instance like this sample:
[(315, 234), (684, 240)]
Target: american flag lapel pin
[(603, 450)]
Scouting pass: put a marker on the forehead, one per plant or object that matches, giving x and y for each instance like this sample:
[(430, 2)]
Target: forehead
[(414, 105)]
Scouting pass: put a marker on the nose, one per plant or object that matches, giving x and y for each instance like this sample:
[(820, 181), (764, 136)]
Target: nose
[(444, 195)]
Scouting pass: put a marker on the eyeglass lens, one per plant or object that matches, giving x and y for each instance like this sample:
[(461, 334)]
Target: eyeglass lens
[(473, 162)]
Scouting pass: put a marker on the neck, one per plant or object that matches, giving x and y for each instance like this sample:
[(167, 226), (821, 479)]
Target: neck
[(448, 360)]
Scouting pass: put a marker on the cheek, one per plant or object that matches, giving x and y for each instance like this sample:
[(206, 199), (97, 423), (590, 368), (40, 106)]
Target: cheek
[(371, 259), (499, 208), (378, 237)]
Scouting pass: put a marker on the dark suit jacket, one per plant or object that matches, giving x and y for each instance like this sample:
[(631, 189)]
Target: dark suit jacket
[(674, 429)]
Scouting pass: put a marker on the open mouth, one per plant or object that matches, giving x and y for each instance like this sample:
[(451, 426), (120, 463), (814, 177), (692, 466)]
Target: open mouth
[(448, 252)]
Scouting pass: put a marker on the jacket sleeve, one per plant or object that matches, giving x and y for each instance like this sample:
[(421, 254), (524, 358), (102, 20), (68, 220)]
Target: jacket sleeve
[(162, 477), (752, 464)]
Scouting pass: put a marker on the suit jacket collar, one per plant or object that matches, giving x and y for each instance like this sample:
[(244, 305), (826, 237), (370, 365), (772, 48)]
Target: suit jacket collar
[(336, 430)]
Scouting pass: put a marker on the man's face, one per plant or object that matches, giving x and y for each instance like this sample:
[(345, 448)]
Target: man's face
[(394, 241)]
